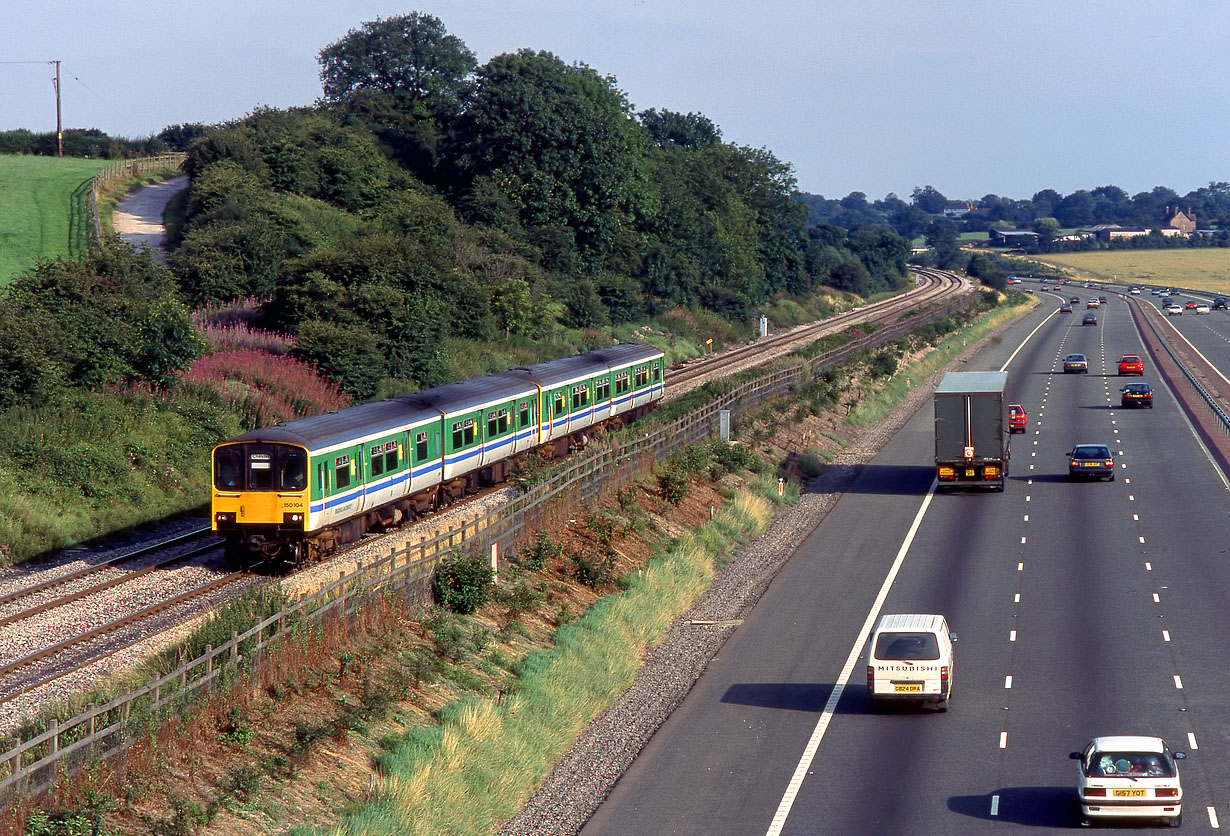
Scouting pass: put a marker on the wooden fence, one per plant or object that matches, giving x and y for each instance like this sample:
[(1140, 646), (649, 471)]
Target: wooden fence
[(31, 766), (119, 169)]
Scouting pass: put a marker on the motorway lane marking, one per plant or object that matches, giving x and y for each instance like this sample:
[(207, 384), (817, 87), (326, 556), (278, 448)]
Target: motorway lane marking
[(1022, 541), (995, 805), (1027, 518), (1131, 497), (1178, 682), (1191, 741), (1148, 566), (1020, 566), (1165, 635), (1003, 740), (1012, 635), (830, 707), (1008, 681), (1156, 600), (1213, 819), (1136, 517), (1017, 599), (1141, 539)]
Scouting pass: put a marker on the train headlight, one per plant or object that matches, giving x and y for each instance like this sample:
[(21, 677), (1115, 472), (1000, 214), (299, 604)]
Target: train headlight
[(225, 516), (295, 518)]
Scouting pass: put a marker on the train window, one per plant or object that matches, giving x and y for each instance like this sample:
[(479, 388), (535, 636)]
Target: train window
[(377, 465), (341, 472), (603, 392), (420, 447), (642, 377), (580, 396), (657, 372), (623, 382), (463, 433), (525, 414), (497, 422), (260, 470), (390, 458), (559, 404), (294, 469), (227, 469), (383, 457)]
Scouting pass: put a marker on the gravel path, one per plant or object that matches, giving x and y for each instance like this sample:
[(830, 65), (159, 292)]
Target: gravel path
[(580, 782), (138, 217)]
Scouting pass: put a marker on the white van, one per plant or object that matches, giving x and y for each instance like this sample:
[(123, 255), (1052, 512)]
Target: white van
[(910, 658)]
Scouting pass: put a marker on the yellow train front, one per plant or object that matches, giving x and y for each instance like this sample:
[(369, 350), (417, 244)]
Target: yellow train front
[(261, 493)]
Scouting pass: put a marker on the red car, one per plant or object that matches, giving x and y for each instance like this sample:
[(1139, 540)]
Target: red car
[(1016, 418), (1191, 306), (1131, 364)]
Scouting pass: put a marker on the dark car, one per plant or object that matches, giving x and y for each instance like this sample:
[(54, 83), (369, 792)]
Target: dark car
[(1090, 319), (1219, 303), (1065, 309), (1091, 460), (1075, 364), (1136, 394), (1102, 299)]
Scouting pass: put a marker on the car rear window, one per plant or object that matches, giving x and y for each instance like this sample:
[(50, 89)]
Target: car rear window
[(1131, 764), (1136, 388), (907, 646), (1091, 452)]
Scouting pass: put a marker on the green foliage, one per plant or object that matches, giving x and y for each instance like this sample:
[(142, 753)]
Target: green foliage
[(882, 364), (237, 730), (673, 484), (462, 583), (541, 552), (593, 570)]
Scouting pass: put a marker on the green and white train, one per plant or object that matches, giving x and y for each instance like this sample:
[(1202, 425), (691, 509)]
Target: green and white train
[(302, 488)]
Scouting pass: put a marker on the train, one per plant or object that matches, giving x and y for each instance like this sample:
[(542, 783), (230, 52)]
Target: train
[(298, 490)]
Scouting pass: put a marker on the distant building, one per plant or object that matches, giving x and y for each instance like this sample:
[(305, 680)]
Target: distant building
[(957, 208), (1012, 237), (1184, 222), (1112, 232)]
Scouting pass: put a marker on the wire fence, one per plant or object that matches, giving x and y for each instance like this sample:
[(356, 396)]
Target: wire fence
[(31, 766)]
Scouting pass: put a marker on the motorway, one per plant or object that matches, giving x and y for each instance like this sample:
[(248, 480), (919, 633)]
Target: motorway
[(1081, 609)]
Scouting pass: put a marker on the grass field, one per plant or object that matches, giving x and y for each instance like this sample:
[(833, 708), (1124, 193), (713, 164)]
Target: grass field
[(41, 209), (1206, 268)]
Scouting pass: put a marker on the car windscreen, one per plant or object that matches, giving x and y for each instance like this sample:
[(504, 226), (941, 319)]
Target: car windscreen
[(1131, 765), (907, 646), (1091, 452)]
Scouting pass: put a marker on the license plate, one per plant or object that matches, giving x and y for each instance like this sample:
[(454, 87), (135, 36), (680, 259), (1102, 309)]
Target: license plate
[(970, 474), (1091, 464), (1128, 793), (915, 688)]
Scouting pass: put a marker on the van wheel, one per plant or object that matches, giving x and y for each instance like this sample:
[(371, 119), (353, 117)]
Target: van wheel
[(1177, 821)]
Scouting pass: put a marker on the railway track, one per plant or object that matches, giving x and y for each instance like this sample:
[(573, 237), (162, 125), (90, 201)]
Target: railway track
[(933, 287), (61, 625)]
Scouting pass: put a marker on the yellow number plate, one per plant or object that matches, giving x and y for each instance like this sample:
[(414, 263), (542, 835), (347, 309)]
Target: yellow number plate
[(915, 688), (1128, 793)]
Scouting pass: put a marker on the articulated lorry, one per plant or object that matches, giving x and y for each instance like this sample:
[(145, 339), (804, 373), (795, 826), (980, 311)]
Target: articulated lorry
[(971, 430)]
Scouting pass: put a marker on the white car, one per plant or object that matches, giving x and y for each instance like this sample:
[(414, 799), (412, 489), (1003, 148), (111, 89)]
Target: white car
[(1174, 310), (1129, 776), (1135, 291), (1202, 308)]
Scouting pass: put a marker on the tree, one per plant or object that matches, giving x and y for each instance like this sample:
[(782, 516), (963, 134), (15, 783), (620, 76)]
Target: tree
[(411, 57), (942, 239), (554, 141), (929, 200), (692, 130)]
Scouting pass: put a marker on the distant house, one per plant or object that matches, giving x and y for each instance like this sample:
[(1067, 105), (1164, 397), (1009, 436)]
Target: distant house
[(1012, 237), (957, 208), (1184, 222), (1112, 232)]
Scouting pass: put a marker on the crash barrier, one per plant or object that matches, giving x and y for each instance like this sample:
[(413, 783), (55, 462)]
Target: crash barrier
[(32, 766)]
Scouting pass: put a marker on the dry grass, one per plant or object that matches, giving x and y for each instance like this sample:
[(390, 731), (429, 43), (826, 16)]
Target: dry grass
[(1207, 268)]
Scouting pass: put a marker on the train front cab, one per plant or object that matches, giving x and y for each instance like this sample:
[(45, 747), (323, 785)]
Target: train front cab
[(260, 494)]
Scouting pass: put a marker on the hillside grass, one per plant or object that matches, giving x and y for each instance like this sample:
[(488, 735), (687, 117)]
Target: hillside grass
[(42, 211), (1205, 268)]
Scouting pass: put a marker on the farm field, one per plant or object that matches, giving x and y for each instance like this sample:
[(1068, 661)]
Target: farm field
[(1206, 268), (41, 209)]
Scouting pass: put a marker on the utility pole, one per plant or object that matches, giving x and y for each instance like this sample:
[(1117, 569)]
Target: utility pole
[(59, 126)]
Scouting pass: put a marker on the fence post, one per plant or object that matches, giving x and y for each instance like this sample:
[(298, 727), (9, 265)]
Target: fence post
[(209, 660), (234, 644), (15, 761)]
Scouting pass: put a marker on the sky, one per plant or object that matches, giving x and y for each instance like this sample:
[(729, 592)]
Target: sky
[(872, 96)]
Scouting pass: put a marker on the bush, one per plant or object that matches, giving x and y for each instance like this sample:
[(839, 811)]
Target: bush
[(462, 583), (674, 485), (542, 551)]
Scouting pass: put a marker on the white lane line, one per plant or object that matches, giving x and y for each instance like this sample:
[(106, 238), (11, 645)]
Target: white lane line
[(1008, 681), (1148, 566), (1028, 337), (1131, 498), (1022, 541), (826, 716), (1136, 517), (1191, 741), (1012, 635), (1156, 599), (1026, 499), (1020, 566), (995, 805), (1003, 740), (1027, 518), (1213, 818), (1141, 539), (1018, 598), (1178, 682), (1165, 635)]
